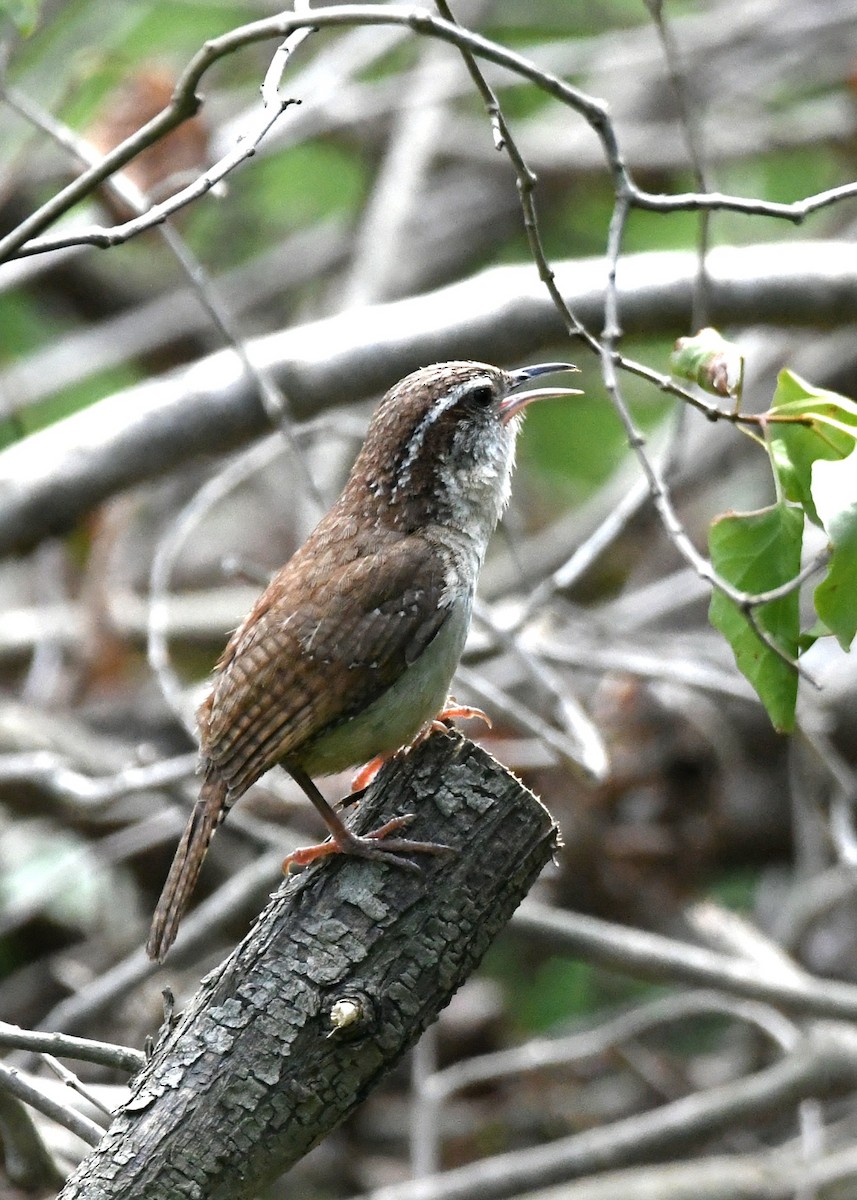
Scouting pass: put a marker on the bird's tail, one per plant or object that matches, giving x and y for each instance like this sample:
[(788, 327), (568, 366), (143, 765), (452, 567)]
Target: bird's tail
[(208, 811)]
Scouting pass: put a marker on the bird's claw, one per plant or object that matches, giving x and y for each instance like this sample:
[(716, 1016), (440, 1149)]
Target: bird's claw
[(376, 846), (459, 712)]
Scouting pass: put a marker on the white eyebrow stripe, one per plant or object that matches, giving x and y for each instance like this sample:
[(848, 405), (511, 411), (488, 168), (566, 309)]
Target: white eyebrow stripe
[(415, 444)]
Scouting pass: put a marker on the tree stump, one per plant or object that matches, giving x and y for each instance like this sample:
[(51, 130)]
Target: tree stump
[(342, 972)]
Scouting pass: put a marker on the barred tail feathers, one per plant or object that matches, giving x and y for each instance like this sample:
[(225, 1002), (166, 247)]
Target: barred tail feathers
[(207, 813)]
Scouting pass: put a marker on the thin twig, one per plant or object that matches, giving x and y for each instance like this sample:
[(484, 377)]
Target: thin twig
[(592, 752), (692, 128), (87, 1130), (105, 1054), (499, 701), (652, 956), (271, 397), (197, 931), (612, 329), (539, 1053), (186, 102), (71, 1081), (167, 554), (54, 774), (526, 179)]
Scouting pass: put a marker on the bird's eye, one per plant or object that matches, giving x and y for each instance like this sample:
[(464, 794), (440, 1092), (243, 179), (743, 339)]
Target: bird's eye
[(481, 395)]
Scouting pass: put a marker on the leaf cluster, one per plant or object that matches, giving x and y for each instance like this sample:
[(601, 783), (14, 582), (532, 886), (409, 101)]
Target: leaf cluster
[(810, 435)]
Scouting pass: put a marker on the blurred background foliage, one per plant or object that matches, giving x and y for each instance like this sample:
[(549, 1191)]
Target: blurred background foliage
[(701, 798)]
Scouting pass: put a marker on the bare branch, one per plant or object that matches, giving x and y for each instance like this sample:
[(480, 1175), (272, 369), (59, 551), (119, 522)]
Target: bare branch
[(342, 972), (69, 784), (13, 1082), (27, 1160), (653, 956), (251, 883), (186, 102), (123, 1058), (773, 1175), (823, 1061), (71, 1081), (52, 478)]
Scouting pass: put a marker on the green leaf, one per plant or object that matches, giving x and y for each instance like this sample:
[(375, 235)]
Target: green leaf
[(834, 487), (830, 434), (709, 360), (808, 637), (755, 552)]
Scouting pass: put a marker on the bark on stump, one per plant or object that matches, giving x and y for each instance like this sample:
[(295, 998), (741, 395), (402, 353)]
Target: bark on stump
[(340, 975)]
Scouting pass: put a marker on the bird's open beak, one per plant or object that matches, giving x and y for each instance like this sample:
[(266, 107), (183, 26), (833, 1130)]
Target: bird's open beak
[(515, 402)]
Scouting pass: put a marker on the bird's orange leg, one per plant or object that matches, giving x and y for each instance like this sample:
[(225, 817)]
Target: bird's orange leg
[(342, 840), (451, 712), (377, 845), (366, 774), (458, 712)]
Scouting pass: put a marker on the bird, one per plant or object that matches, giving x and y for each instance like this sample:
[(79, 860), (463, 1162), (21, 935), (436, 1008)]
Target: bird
[(350, 651)]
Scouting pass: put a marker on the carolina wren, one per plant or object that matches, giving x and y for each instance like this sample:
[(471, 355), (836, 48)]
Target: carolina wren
[(350, 650)]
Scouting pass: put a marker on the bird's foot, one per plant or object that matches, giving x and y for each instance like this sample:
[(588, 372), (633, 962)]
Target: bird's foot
[(377, 846), (458, 712), (450, 712)]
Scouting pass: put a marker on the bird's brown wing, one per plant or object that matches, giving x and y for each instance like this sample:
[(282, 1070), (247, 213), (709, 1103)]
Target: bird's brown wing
[(315, 650)]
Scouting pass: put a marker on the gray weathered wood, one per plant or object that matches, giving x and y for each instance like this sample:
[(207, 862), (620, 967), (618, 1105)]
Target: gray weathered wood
[(255, 1073)]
